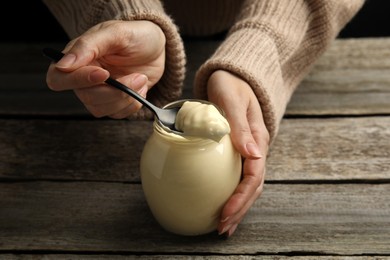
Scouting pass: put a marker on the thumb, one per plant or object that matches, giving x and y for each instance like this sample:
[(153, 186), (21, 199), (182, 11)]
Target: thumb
[(84, 51), (74, 58), (242, 137)]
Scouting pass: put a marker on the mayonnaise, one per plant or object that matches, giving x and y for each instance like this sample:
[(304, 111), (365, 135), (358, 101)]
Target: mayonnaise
[(202, 120)]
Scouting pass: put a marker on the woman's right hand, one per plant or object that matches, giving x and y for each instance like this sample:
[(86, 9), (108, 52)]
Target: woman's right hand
[(133, 52)]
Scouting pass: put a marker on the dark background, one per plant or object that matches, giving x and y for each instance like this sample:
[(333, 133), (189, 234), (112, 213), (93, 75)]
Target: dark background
[(31, 21)]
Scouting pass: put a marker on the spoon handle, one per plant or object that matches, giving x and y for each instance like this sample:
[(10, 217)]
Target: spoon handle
[(56, 55)]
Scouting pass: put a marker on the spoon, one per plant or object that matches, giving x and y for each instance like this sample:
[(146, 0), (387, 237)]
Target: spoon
[(166, 116)]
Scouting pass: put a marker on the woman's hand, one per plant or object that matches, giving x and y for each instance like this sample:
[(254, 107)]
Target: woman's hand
[(133, 52), (249, 136)]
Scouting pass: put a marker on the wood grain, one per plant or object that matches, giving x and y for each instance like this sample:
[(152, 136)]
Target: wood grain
[(70, 186), (106, 150), (109, 150), (350, 219), (331, 149), (351, 78), (178, 256)]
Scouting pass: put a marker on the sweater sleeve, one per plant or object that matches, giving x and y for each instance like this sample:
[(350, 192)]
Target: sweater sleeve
[(272, 46), (78, 16)]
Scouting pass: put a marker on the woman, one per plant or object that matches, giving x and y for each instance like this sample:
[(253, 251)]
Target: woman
[(270, 46)]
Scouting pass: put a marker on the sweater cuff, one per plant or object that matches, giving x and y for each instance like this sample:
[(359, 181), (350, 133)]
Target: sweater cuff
[(260, 68)]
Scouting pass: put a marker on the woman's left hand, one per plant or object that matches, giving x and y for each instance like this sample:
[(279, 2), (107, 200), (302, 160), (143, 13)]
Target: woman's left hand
[(249, 136)]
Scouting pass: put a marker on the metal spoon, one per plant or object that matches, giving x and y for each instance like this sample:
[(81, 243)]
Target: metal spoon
[(166, 116)]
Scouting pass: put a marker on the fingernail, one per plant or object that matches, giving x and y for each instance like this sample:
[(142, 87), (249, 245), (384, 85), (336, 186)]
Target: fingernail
[(98, 76), (66, 61), (143, 91), (253, 149), (232, 230), (139, 81), (226, 228), (225, 219)]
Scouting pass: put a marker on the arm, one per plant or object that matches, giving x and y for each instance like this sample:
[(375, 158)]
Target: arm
[(267, 52), (77, 17), (272, 46)]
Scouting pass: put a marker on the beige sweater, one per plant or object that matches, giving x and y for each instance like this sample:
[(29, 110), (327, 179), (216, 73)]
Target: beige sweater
[(271, 44)]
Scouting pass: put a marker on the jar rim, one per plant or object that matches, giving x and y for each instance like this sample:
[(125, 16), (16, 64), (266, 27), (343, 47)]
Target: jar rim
[(179, 103), (166, 131)]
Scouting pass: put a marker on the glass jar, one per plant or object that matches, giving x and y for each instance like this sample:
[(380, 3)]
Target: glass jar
[(187, 180)]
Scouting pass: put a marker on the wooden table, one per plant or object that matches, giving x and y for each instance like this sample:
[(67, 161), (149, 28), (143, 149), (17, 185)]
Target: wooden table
[(70, 185)]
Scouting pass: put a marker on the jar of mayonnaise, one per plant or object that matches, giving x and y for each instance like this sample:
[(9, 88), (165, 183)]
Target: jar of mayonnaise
[(188, 177)]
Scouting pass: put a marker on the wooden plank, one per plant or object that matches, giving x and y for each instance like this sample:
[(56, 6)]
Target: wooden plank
[(331, 149), (92, 217), (352, 77), (109, 150), (22, 58), (41, 103), (180, 256), (72, 150), (23, 88)]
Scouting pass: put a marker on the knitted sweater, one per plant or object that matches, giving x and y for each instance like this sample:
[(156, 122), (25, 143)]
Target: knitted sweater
[(271, 44)]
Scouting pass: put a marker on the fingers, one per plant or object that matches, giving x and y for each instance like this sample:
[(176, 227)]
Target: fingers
[(111, 43), (244, 196), (111, 48), (249, 136), (83, 77), (79, 67), (82, 63), (242, 110), (104, 100), (241, 133), (103, 93), (77, 55), (88, 48), (99, 98), (250, 187)]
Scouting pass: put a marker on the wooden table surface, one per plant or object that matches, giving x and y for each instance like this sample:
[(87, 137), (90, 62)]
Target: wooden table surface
[(70, 185)]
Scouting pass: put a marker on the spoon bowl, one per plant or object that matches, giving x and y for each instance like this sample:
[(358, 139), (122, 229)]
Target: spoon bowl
[(167, 116)]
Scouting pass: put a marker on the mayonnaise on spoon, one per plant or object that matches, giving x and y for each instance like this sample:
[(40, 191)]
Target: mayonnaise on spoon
[(202, 120)]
